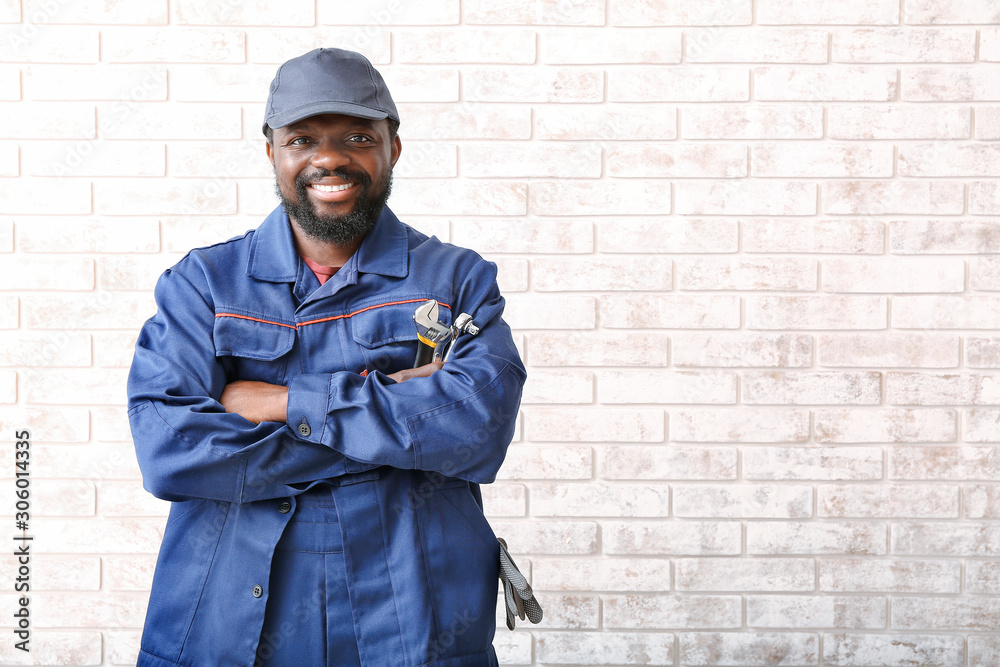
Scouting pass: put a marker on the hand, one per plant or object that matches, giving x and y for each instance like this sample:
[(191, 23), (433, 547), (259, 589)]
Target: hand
[(256, 401), (418, 372)]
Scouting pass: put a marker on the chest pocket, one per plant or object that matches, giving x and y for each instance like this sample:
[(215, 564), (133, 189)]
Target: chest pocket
[(253, 348), (388, 336)]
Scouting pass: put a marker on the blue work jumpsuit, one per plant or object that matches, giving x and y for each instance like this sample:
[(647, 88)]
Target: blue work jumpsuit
[(403, 460)]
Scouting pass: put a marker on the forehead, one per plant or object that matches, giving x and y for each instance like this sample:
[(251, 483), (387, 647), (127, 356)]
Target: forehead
[(333, 122)]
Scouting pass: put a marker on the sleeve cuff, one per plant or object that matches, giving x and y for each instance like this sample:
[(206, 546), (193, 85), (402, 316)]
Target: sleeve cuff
[(308, 401)]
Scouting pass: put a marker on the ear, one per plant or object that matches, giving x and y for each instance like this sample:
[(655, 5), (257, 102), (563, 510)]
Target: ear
[(397, 148), (270, 152)]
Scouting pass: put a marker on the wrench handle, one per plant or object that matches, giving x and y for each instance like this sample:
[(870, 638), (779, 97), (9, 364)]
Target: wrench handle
[(425, 354)]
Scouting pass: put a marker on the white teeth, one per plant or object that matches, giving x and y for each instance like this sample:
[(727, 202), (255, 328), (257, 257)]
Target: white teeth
[(332, 188)]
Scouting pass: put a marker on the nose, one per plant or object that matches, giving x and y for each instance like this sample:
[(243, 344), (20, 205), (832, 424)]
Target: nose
[(329, 155)]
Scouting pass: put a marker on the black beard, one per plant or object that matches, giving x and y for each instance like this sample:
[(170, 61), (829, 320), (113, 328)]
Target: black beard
[(337, 229)]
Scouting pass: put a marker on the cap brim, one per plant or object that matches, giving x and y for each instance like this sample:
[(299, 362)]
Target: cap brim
[(316, 108)]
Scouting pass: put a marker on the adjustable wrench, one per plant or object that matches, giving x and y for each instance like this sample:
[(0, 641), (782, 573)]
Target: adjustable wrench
[(437, 339)]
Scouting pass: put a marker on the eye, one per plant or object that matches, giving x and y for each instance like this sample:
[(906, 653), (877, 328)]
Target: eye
[(360, 139), (298, 141)]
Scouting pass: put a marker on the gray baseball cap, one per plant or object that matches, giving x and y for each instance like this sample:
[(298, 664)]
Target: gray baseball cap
[(327, 81)]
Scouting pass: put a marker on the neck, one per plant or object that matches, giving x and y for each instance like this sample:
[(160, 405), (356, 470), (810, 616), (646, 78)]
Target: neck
[(326, 253)]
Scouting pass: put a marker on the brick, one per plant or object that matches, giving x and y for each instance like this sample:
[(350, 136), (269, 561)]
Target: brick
[(105, 536), (675, 612), (128, 499), (34, 350), (55, 235), (814, 611), (806, 388), (871, 12), (465, 46), (913, 613), (504, 236), (944, 463), (982, 352), (55, 648), (539, 462), (684, 12), (944, 312), (48, 424), (266, 45), (893, 275), (989, 44), (422, 84), (21, 196), (792, 159), (657, 386), (941, 538), (505, 500), (167, 196), (745, 574), (600, 500), (940, 159), (73, 386), (896, 45), (899, 122), (866, 575), (984, 198), (111, 425), (86, 610), (536, 12), (758, 121), (71, 461), (532, 84), (169, 121), (892, 650), (129, 12), (90, 158), (257, 197), (940, 389), (742, 349), (771, 273), (981, 501), (9, 160), (632, 197), (838, 84), (449, 122), (596, 349), (31, 273), (8, 387), (62, 498), (57, 573), (549, 537), (565, 612), (860, 425), (381, 14), (984, 650), (184, 45), (51, 44), (892, 349), (649, 160), (128, 573), (87, 311), (515, 160), (755, 45), (981, 425), (757, 501), (601, 273), (887, 501), (746, 649), (132, 273), (622, 122), (672, 538), (292, 13), (786, 538), (605, 574), (606, 648), (587, 425), (219, 83), (635, 46), (922, 12), (9, 311), (984, 273), (448, 197), (745, 198), (813, 463), (514, 648), (6, 236), (666, 463), (678, 236), (681, 311), (562, 386), (948, 84), (987, 122), (881, 197), (983, 577), (659, 84), (10, 11), (817, 312), (750, 425), (134, 83), (550, 312), (230, 159), (10, 83), (512, 275)]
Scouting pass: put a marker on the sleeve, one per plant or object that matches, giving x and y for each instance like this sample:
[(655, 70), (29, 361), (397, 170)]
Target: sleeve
[(457, 422), (187, 445)]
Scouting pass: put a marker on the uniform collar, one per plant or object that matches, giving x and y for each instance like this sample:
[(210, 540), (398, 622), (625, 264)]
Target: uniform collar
[(273, 257)]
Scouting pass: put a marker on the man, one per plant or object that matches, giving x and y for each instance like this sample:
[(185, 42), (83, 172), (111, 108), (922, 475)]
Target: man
[(326, 508)]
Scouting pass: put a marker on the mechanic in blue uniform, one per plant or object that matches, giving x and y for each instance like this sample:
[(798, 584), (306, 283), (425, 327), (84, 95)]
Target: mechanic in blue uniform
[(325, 500)]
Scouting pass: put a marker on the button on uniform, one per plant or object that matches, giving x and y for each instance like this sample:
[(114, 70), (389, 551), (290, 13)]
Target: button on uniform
[(285, 507), (257, 591), (304, 430)]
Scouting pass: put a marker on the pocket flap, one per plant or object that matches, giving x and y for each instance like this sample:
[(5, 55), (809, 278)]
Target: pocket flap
[(251, 336), (391, 323)]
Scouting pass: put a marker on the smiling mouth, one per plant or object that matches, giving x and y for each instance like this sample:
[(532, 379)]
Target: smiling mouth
[(331, 188)]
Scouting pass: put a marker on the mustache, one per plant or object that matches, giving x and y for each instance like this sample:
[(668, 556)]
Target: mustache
[(348, 175)]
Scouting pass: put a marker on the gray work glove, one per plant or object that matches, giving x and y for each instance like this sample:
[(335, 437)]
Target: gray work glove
[(516, 590)]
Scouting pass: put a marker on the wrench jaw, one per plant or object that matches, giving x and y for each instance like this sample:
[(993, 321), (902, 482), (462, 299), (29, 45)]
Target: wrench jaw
[(436, 338)]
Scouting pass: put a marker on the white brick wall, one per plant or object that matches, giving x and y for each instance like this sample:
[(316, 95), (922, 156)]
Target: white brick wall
[(749, 253)]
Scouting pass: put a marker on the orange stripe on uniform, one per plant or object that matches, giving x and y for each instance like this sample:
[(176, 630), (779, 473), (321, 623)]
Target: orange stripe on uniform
[(254, 319), (380, 305)]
